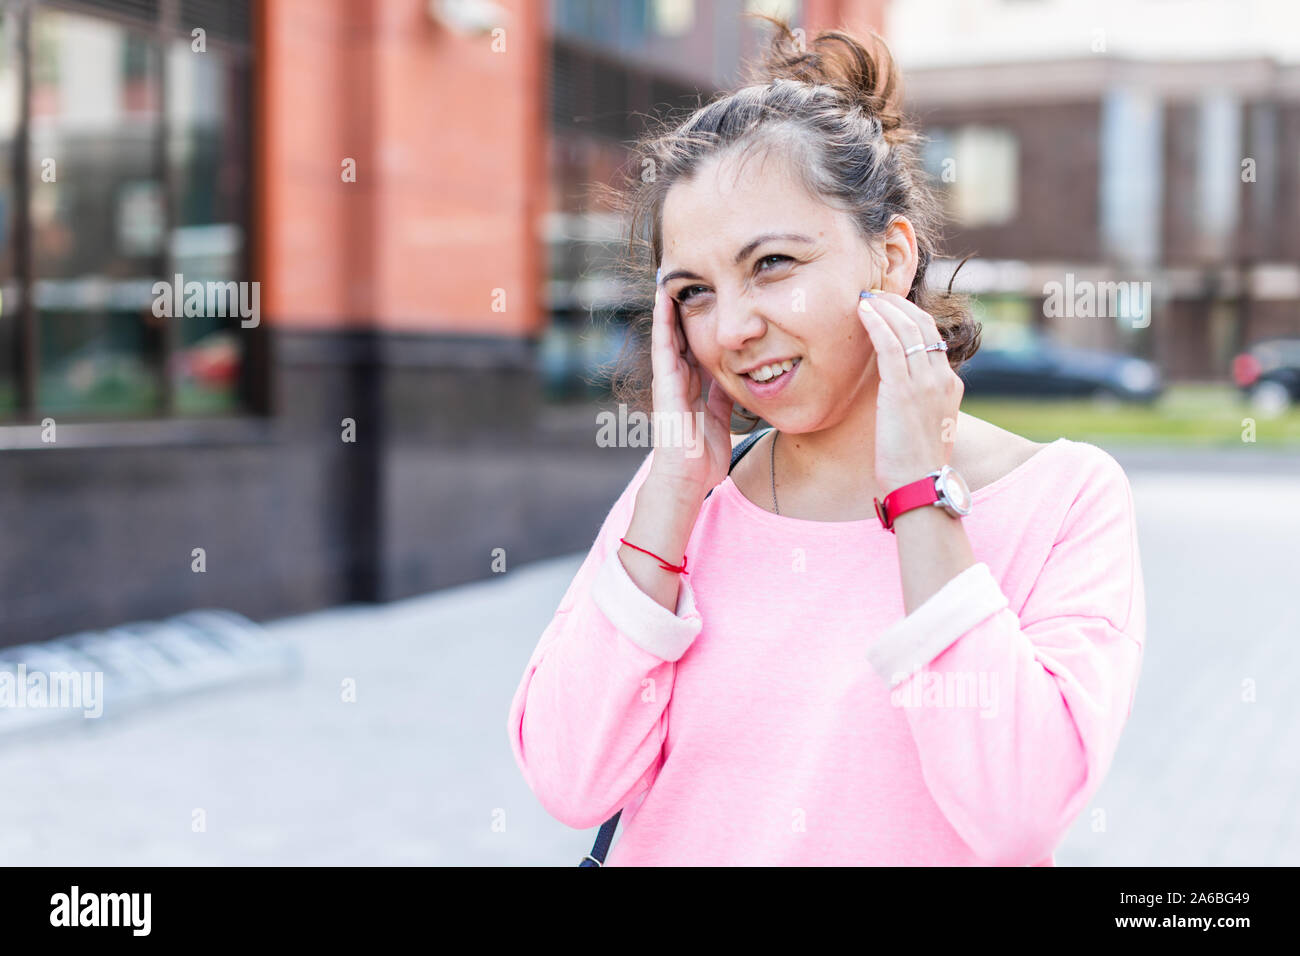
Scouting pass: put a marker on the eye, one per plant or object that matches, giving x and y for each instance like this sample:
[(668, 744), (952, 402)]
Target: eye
[(688, 293), (779, 259)]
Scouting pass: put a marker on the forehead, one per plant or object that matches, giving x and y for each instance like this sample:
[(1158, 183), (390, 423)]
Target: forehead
[(735, 198)]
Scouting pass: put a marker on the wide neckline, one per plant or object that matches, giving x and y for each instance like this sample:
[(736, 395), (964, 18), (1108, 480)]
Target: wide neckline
[(732, 490)]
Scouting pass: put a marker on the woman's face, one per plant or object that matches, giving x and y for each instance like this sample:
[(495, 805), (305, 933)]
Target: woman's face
[(762, 271)]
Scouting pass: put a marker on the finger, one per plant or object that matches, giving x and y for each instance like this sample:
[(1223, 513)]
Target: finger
[(904, 326), (663, 355), (679, 333), (908, 332), (889, 351), (720, 403), (929, 328)]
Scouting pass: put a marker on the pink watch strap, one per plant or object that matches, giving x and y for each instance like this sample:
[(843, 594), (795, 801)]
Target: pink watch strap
[(916, 494)]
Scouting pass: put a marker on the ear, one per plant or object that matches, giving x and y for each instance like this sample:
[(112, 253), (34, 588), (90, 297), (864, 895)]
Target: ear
[(900, 257)]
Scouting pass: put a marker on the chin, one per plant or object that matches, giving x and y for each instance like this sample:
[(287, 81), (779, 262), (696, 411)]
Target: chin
[(789, 422)]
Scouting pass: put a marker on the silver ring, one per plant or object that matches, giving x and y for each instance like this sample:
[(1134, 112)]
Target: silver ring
[(940, 346)]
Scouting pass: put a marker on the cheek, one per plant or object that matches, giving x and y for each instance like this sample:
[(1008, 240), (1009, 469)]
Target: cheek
[(703, 346), (838, 335), (842, 348)]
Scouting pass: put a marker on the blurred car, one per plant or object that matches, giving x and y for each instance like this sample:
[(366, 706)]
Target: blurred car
[(1022, 361), (1269, 374)]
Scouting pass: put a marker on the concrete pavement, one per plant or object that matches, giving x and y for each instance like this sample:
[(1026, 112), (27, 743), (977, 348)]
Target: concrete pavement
[(417, 769)]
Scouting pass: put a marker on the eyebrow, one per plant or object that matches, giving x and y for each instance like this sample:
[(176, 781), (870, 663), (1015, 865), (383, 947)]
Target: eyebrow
[(742, 254)]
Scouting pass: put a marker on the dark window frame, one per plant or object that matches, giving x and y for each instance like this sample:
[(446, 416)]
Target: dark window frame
[(254, 387)]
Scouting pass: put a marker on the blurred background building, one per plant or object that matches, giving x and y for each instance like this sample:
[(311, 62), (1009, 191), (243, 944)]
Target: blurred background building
[(1136, 141), (409, 183)]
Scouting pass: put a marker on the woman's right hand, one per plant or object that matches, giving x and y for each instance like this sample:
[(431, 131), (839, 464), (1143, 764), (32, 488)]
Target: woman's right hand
[(693, 453)]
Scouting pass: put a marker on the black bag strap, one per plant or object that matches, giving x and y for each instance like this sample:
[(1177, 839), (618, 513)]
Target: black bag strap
[(606, 835), (738, 452)]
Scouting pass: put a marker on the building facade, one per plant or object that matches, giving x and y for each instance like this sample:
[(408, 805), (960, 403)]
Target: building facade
[(1127, 145), (276, 284)]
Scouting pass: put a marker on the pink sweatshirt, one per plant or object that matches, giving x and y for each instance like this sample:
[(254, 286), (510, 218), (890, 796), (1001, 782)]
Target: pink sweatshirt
[(789, 713)]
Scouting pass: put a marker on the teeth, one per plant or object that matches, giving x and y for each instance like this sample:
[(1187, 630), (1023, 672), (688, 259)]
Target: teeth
[(767, 372)]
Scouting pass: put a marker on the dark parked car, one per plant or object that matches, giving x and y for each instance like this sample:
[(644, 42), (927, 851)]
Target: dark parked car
[(1269, 373), (1023, 361)]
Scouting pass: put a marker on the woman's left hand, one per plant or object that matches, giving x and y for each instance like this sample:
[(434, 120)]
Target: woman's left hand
[(919, 394)]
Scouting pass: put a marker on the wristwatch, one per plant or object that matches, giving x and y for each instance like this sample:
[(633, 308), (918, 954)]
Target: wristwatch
[(944, 488)]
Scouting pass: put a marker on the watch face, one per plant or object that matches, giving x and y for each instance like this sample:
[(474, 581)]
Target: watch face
[(953, 487)]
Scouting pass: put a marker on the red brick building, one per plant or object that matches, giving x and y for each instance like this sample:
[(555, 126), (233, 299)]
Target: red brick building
[(378, 177)]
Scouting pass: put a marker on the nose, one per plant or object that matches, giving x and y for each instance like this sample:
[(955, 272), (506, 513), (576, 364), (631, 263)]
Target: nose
[(739, 320)]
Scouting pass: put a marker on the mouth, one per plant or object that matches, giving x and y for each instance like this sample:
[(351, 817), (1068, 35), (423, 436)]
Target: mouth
[(773, 378)]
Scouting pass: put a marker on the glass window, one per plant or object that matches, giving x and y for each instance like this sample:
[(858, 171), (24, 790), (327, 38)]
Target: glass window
[(1218, 154), (976, 171), (984, 190), (783, 9), (673, 17), (1131, 181), (10, 114), (96, 215), (1007, 323), (115, 198), (207, 154)]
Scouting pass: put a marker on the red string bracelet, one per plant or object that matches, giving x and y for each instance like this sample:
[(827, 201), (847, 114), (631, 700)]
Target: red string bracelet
[(662, 563)]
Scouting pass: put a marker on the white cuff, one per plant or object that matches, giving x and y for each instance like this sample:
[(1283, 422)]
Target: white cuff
[(905, 647), (640, 618)]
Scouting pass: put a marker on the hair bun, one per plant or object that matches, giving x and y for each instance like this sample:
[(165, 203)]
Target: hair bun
[(862, 70)]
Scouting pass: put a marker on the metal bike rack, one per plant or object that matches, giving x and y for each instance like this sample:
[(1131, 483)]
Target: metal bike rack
[(144, 662)]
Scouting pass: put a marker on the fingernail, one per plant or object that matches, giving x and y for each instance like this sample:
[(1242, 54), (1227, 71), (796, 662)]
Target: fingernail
[(866, 295), (658, 274)]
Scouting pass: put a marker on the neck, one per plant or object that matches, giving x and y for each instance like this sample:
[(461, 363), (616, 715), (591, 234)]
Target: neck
[(833, 464)]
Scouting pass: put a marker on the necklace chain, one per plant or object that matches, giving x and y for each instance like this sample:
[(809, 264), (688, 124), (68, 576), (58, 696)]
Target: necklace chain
[(774, 507)]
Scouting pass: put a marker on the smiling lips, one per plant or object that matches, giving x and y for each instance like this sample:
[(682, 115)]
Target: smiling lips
[(765, 373), (778, 376)]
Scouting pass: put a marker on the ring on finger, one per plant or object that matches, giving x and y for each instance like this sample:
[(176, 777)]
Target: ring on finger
[(940, 346)]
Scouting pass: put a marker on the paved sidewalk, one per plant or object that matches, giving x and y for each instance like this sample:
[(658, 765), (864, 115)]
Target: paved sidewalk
[(288, 773), (418, 768)]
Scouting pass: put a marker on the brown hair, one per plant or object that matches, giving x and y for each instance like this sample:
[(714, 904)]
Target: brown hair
[(836, 108)]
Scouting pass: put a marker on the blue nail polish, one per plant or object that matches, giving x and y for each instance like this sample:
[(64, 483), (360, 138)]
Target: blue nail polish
[(866, 295), (658, 274)]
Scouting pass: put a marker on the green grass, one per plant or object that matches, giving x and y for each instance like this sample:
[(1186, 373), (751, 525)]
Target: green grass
[(1186, 415)]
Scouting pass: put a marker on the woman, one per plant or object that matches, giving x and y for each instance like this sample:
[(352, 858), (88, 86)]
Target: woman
[(786, 672)]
